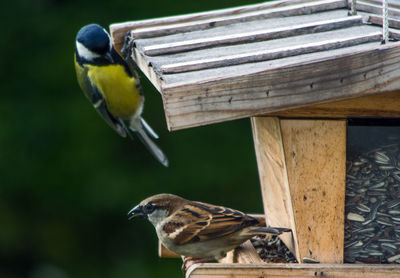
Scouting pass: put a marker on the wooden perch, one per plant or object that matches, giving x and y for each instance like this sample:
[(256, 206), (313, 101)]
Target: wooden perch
[(210, 270)]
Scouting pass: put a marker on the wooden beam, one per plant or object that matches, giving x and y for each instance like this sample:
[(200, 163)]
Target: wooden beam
[(273, 177), (301, 165), (210, 270), (315, 152), (375, 106)]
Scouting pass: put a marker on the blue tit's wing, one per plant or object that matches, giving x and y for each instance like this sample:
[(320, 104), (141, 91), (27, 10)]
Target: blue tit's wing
[(98, 101)]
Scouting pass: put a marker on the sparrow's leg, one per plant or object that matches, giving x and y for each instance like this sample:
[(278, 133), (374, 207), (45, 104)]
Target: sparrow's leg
[(188, 261)]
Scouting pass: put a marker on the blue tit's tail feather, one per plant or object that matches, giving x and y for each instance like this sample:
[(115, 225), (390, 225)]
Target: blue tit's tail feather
[(139, 130), (148, 129)]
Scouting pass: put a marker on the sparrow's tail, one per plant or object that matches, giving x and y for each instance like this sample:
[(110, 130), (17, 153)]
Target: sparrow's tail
[(141, 128), (264, 229)]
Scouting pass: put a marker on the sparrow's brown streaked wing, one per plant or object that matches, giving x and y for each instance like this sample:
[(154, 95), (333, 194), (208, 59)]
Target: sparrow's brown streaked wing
[(204, 222)]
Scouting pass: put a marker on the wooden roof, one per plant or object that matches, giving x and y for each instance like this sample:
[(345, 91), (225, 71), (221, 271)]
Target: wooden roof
[(251, 60)]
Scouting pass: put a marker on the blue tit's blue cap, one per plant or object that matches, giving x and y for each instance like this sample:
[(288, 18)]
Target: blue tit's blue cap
[(95, 38)]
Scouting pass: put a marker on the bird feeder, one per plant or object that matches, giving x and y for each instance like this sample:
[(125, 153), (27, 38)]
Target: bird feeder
[(312, 76)]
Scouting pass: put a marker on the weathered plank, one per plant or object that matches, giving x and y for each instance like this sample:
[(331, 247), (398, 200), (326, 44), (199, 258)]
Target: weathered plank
[(377, 19), (392, 3), (251, 36), (292, 270), (272, 171), (376, 8), (247, 254), (300, 9), (301, 164), (385, 105), (299, 82), (118, 30), (315, 153), (264, 55), (269, 49), (233, 69), (249, 26)]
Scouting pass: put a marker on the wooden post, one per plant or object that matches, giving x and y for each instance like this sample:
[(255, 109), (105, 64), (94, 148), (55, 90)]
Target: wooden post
[(301, 165)]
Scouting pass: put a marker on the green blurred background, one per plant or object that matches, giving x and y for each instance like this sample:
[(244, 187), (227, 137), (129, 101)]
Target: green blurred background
[(67, 180)]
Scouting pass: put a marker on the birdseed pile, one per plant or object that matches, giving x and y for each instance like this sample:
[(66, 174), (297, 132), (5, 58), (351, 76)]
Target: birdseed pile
[(272, 249), (372, 226)]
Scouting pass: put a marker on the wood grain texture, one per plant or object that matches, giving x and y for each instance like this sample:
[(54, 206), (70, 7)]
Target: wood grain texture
[(385, 105), (292, 270), (301, 164), (376, 8), (247, 61), (269, 54), (118, 30), (272, 171), (315, 153), (305, 83), (169, 47), (247, 254)]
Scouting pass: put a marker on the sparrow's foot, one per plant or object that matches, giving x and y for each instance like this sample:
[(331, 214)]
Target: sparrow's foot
[(189, 261)]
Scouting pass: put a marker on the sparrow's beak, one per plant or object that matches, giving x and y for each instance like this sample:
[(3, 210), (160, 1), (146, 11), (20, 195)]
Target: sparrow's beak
[(135, 212)]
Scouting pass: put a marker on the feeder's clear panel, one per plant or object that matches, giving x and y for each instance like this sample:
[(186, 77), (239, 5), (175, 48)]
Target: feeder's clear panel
[(372, 226)]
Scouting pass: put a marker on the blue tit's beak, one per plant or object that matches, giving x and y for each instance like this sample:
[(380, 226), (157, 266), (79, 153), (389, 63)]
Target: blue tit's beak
[(109, 57), (136, 212)]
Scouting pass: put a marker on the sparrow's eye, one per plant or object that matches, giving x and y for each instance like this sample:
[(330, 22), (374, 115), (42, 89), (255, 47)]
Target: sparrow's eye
[(148, 208)]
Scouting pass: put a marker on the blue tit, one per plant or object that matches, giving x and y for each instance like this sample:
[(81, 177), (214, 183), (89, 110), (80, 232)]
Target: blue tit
[(112, 86)]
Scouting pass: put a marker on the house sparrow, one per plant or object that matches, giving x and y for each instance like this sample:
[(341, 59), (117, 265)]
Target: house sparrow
[(199, 231)]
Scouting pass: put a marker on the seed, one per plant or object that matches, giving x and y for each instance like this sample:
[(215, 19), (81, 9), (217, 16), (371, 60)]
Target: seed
[(389, 245), (367, 222), (386, 167), (363, 208), (366, 230), (376, 253), (309, 261), (381, 158), (394, 258), (394, 212), (378, 185), (393, 203), (355, 217)]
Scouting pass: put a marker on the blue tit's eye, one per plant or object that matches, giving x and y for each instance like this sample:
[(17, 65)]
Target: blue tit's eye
[(148, 208)]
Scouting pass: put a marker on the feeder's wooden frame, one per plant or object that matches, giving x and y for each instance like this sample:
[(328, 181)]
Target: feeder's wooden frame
[(298, 98)]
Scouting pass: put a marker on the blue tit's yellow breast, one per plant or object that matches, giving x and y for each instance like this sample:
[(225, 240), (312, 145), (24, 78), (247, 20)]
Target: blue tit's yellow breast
[(122, 97)]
